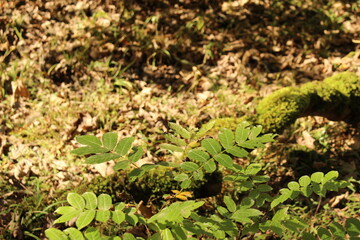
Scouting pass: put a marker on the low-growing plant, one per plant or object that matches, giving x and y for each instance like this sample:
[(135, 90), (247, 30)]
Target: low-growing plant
[(252, 211)]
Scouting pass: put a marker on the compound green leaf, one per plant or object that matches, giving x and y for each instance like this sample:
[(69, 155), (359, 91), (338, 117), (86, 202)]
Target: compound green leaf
[(104, 202), (136, 154), (89, 150), (317, 177), (55, 234), (226, 137), (109, 140), (100, 158), (189, 166), (118, 216), (210, 166), (90, 200), (211, 145), (74, 234), (102, 215), (224, 160), (198, 155), (124, 145), (171, 147), (237, 151), (180, 130), (121, 165), (241, 134), (76, 200), (89, 140)]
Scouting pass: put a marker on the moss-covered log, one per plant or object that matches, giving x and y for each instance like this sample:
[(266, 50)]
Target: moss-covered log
[(336, 98)]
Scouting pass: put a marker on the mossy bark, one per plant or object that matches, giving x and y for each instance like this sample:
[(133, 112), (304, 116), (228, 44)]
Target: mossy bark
[(336, 98)]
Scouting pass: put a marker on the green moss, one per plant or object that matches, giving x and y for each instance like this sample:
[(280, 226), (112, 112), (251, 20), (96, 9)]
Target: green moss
[(323, 99), (281, 108), (160, 181), (229, 123), (336, 98), (347, 83)]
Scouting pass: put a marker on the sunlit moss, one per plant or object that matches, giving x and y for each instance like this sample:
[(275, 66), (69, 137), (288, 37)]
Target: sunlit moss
[(336, 97), (281, 108)]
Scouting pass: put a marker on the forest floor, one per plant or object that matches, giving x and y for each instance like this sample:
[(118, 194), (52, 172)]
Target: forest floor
[(73, 67)]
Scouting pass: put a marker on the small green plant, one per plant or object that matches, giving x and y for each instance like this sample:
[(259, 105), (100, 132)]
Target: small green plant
[(253, 211)]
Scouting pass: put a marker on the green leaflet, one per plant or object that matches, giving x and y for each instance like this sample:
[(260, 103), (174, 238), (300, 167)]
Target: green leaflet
[(100, 158), (109, 140), (136, 154), (198, 155), (85, 218), (90, 200), (55, 234), (189, 166), (89, 150), (180, 130), (124, 145), (224, 160), (89, 140), (118, 216), (102, 215), (226, 137), (230, 204), (74, 234), (241, 134), (210, 166), (104, 202), (236, 151), (76, 201), (211, 145), (254, 132), (171, 147)]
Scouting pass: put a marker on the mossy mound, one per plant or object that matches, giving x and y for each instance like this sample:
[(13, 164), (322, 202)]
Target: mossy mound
[(336, 98), (160, 181), (154, 183), (281, 108)]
